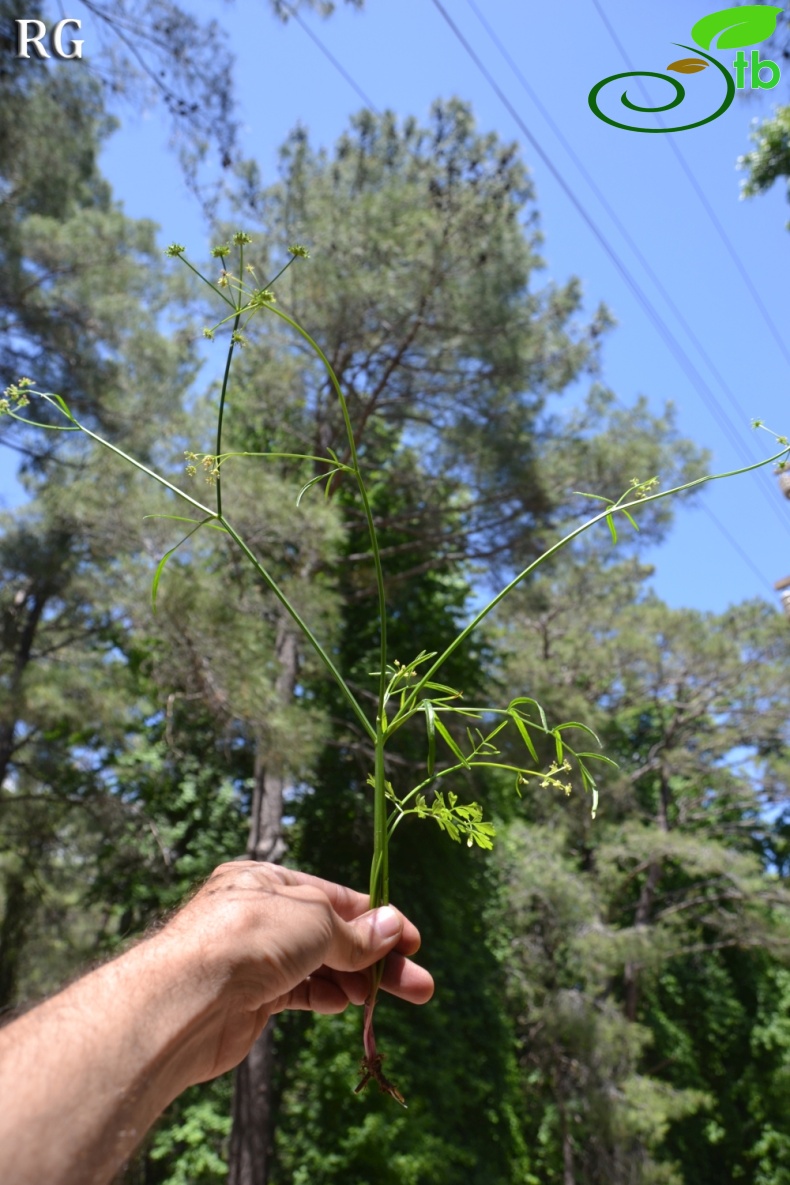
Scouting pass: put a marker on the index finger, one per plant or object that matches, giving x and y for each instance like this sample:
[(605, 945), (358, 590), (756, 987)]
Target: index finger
[(347, 903)]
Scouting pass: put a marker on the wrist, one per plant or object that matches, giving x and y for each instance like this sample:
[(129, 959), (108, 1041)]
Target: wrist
[(191, 994), (84, 1075)]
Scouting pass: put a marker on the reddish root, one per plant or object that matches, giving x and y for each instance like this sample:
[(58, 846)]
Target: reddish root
[(371, 1062), (371, 1071)]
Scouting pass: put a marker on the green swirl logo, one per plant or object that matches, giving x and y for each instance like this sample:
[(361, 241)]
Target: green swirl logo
[(733, 28)]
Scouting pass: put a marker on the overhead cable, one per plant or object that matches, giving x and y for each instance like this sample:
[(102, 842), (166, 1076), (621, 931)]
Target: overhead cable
[(743, 271), (653, 315), (746, 451), (316, 40)]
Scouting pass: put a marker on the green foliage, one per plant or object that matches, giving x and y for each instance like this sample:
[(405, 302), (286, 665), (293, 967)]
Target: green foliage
[(770, 159), (189, 1145), (612, 1001), (643, 948), (456, 819)]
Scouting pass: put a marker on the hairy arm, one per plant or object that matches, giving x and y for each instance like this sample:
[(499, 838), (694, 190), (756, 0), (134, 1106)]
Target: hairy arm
[(84, 1075)]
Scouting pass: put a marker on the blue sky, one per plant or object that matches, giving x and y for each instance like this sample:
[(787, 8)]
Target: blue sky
[(403, 55)]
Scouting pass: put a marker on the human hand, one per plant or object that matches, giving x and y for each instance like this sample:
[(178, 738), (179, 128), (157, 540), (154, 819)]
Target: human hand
[(267, 938)]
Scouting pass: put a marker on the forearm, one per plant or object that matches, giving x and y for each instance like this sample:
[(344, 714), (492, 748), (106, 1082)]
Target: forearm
[(85, 1074)]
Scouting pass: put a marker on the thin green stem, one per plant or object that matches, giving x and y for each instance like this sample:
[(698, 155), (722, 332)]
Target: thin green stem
[(281, 272), (374, 543), (213, 287), (574, 534), (12, 415), (149, 472), (221, 412), (357, 472), (269, 580), (302, 624), (379, 868), (379, 874), (288, 457)]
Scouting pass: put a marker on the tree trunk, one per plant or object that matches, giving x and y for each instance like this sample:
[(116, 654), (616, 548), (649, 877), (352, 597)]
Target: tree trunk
[(19, 626), (568, 1177), (252, 1133), (13, 928), (253, 1130)]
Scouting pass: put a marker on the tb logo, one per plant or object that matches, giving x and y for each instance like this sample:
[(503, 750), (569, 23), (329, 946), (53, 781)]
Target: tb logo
[(730, 28)]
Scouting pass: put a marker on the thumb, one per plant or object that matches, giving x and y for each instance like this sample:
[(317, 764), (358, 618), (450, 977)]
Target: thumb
[(359, 944)]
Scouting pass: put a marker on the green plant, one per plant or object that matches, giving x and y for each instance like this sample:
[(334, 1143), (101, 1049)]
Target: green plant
[(406, 691)]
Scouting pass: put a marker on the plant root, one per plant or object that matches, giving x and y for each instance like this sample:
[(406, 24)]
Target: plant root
[(371, 1062), (371, 1071)]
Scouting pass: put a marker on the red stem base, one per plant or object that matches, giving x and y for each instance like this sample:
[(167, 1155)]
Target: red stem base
[(371, 1062)]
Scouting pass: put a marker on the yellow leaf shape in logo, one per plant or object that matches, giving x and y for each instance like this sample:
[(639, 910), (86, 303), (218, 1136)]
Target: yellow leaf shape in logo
[(688, 65)]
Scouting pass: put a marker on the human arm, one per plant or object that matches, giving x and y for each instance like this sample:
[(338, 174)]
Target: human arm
[(85, 1074)]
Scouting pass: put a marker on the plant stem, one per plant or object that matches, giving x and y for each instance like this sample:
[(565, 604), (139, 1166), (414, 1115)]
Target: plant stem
[(322, 654), (221, 412), (379, 869), (613, 508), (374, 543), (259, 568), (379, 872)]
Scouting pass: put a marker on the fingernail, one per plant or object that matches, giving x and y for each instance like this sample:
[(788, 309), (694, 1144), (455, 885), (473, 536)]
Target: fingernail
[(387, 922)]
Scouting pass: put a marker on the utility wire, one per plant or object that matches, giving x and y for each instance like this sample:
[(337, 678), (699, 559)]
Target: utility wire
[(316, 40), (676, 349), (746, 451), (711, 213), (644, 302), (734, 543)]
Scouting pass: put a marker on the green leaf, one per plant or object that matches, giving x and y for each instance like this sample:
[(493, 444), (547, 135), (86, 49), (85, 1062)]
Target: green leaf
[(747, 25), (600, 757), (583, 727), (525, 699), (612, 527), (314, 481), (443, 687), (422, 657), (524, 733), (61, 402), (161, 565), (598, 497), (179, 518), (481, 837), (440, 728), (158, 573), (430, 724)]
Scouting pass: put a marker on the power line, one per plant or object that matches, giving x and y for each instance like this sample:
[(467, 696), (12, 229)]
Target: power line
[(745, 451), (330, 57), (676, 349), (734, 543), (679, 354), (711, 213), (643, 300)]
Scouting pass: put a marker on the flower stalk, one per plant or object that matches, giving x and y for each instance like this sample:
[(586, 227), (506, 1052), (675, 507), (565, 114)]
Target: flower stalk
[(406, 692)]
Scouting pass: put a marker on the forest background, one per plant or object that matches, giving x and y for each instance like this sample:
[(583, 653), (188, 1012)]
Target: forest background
[(613, 996)]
